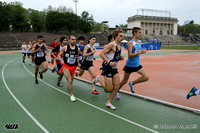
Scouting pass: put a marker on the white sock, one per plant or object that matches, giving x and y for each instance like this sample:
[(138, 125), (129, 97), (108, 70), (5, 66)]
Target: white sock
[(197, 92)]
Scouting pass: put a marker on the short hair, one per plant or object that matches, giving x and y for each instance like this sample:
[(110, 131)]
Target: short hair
[(40, 36), (71, 36), (135, 29), (116, 32), (81, 38), (110, 37), (62, 38)]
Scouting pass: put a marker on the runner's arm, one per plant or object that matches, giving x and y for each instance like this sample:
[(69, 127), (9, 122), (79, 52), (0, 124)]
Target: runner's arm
[(61, 53)]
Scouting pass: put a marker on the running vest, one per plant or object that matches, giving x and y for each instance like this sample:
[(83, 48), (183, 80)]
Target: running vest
[(40, 53), (23, 48), (134, 61), (89, 57), (70, 56), (114, 57), (80, 56)]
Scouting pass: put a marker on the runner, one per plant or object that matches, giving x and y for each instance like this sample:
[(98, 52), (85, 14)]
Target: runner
[(81, 46), (87, 63), (40, 51), (52, 46), (70, 63), (54, 53), (111, 54), (193, 92), (24, 48), (33, 55), (29, 47), (133, 62)]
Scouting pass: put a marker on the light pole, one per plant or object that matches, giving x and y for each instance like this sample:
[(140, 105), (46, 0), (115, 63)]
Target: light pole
[(75, 5)]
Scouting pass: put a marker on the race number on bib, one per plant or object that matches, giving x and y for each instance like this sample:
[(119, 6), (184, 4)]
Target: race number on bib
[(80, 57), (89, 58), (40, 54), (71, 60)]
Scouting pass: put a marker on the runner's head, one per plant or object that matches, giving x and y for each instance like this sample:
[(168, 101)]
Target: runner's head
[(40, 39), (81, 40), (118, 34), (137, 32), (92, 39), (72, 40), (63, 41)]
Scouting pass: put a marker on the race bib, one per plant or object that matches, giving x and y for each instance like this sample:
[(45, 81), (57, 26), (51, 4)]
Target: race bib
[(71, 60), (80, 57), (115, 67), (89, 58), (40, 54)]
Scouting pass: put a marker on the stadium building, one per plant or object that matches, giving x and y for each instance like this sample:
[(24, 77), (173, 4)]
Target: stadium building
[(154, 22)]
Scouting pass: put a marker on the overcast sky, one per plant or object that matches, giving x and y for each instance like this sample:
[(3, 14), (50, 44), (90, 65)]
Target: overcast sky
[(118, 11)]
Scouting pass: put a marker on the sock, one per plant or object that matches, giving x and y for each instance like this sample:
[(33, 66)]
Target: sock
[(197, 92), (93, 89)]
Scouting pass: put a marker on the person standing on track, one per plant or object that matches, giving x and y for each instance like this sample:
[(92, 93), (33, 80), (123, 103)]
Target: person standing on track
[(24, 49), (70, 63), (40, 50), (111, 54), (193, 92), (54, 53), (133, 62), (87, 63)]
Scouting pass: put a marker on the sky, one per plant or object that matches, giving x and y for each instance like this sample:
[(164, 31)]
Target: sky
[(116, 12)]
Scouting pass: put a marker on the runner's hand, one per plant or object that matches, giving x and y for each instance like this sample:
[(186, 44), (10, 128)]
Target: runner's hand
[(112, 64)]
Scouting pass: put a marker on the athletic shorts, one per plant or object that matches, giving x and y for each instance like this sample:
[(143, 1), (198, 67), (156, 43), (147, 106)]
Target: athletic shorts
[(39, 60), (24, 54), (86, 65), (59, 66), (108, 71), (129, 70), (70, 68), (28, 54)]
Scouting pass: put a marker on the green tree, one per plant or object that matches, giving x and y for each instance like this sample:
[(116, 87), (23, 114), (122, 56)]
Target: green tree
[(87, 22), (18, 17), (4, 15)]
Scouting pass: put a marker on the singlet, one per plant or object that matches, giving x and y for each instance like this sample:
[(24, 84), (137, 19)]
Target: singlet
[(89, 57), (80, 56), (40, 53), (114, 57), (134, 61), (70, 56), (23, 48), (29, 49), (56, 51)]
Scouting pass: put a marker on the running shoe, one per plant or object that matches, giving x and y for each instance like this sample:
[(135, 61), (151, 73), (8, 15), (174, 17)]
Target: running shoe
[(117, 96), (36, 81), (41, 76), (72, 98), (53, 70), (23, 61), (95, 80), (131, 86), (192, 92), (95, 92), (59, 84), (109, 105)]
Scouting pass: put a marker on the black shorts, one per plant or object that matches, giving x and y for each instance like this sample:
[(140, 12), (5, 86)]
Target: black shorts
[(24, 54), (39, 60), (86, 65), (129, 70), (28, 54), (108, 71), (59, 66)]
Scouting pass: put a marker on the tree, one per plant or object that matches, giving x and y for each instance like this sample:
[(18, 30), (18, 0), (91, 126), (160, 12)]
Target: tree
[(4, 15), (18, 17), (87, 22)]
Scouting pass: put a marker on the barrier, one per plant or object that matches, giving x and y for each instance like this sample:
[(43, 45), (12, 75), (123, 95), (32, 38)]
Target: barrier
[(151, 46)]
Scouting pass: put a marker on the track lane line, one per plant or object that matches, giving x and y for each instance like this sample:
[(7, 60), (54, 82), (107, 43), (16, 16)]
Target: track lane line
[(19, 103), (124, 119)]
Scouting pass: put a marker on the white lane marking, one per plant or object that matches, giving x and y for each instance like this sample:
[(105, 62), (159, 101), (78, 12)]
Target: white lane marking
[(19, 103), (129, 121)]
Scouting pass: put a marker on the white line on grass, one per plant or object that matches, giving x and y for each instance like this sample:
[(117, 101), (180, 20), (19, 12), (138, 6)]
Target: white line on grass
[(19, 103), (129, 121)]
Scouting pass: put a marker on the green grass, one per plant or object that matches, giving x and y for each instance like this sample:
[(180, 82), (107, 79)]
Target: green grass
[(182, 47)]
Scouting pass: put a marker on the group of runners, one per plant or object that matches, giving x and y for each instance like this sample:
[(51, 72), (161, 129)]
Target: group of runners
[(74, 59)]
